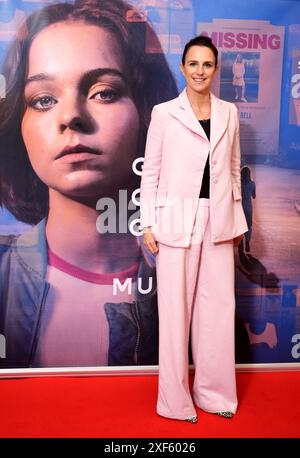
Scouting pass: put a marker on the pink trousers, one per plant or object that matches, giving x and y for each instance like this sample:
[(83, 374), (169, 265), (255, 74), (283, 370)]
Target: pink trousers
[(196, 292)]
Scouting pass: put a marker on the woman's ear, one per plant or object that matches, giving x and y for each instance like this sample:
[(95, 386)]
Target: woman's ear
[(181, 68)]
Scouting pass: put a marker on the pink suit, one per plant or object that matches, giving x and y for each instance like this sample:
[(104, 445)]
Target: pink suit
[(195, 263)]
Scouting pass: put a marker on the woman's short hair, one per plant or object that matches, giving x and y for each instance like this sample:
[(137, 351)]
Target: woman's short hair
[(200, 40), (150, 81), (245, 174)]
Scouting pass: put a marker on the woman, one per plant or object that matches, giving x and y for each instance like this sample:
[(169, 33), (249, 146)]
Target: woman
[(238, 82), (73, 122), (192, 216)]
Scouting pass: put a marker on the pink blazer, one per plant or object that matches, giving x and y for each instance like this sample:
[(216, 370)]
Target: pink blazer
[(175, 157)]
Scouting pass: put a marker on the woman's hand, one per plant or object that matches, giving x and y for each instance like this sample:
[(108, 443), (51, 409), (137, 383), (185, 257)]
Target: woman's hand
[(149, 240), (237, 240)]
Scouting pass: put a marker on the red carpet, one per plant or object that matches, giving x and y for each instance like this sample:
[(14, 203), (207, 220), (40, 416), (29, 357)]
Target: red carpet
[(124, 407)]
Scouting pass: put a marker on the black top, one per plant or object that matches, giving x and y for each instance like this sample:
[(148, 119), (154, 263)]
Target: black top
[(204, 192)]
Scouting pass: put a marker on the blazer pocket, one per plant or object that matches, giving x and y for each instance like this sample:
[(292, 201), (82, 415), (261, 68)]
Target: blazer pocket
[(237, 195), (161, 197)]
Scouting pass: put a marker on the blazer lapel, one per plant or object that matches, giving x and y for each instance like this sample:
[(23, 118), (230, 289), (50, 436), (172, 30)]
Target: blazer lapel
[(182, 110), (219, 120)]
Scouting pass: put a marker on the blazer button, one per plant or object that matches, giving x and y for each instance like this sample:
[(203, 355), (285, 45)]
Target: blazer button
[(214, 162), (215, 180)]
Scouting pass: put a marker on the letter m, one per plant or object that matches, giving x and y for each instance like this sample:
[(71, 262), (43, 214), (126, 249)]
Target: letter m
[(117, 285)]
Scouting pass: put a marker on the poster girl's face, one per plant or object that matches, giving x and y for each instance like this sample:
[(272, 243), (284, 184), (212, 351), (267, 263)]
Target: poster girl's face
[(199, 69), (80, 125)]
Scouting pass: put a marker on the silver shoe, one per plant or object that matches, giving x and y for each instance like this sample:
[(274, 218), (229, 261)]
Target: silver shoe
[(226, 414), (193, 419)]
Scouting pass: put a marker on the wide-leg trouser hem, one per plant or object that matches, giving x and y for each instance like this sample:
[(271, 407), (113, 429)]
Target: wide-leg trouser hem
[(216, 410), (174, 416)]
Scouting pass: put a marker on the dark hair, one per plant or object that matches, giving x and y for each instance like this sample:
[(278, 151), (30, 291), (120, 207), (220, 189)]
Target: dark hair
[(245, 174), (200, 40), (150, 80)]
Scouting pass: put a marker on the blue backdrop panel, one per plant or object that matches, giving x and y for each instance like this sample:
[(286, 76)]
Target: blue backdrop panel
[(268, 265)]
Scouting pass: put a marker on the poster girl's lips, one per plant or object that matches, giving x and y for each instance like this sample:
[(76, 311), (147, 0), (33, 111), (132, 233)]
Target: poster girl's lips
[(77, 153)]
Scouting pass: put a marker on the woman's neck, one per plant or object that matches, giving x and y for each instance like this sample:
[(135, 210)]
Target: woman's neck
[(73, 235), (197, 98), (200, 103)]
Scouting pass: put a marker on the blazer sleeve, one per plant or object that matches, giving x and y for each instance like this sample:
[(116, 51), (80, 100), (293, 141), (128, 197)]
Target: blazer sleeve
[(152, 167), (236, 159)]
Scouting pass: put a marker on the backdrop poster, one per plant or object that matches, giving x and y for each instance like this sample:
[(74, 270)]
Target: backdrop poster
[(258, 45)]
